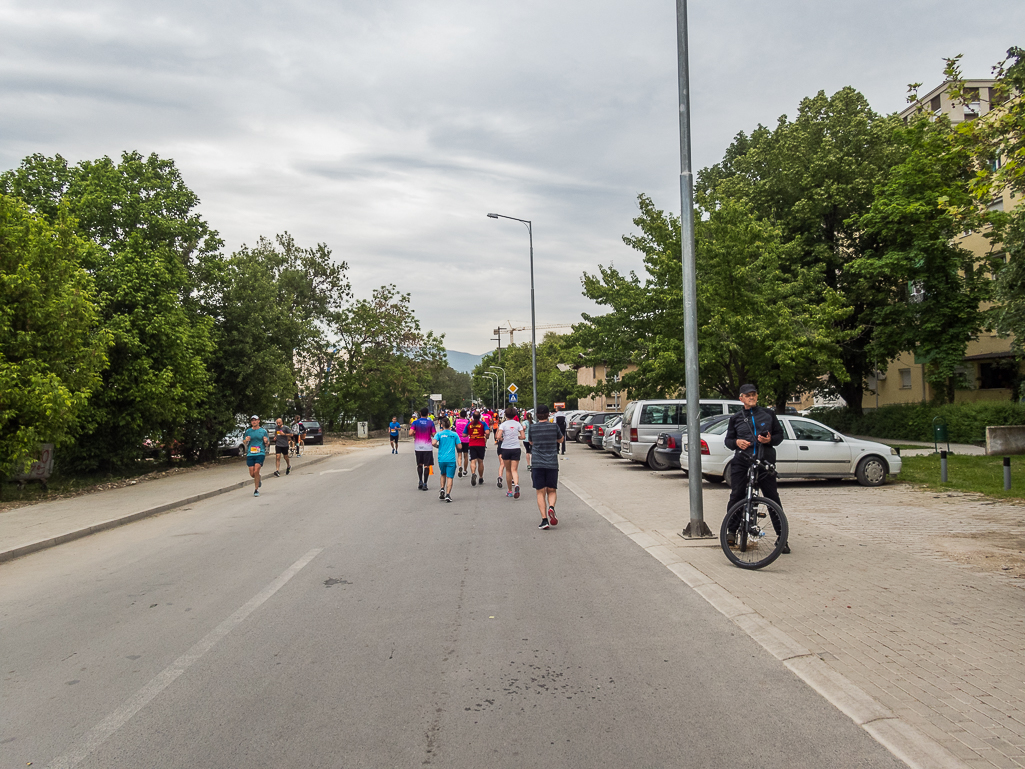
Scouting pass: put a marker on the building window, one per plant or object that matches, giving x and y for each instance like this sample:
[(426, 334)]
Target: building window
[(905, 379), (996, 375), (934, 103)]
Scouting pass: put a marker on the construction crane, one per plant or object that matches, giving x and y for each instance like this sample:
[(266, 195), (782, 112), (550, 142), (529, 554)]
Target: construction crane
[(512, 329)]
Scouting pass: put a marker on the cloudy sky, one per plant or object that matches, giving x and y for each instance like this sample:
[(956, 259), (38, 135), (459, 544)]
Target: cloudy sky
[(388, 128)]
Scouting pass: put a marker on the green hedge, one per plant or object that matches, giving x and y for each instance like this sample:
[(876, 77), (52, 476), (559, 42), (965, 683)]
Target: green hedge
[(966, 422)]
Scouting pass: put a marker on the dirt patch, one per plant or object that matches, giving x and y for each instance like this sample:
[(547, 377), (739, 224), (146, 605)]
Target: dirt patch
[(991, 551)]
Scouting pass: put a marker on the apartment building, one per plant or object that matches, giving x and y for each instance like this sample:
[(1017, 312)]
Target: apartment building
[(590, 376), (989, 365)]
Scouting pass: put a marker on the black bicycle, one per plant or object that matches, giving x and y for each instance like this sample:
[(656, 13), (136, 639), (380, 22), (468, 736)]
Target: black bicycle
[(742, 536)]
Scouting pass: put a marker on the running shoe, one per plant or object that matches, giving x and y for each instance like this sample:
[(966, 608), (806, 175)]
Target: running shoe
[(500, 481), (448, 497), (516, 491), (508, 493), (288, 470), (442, 494), (551, 517), (473, 479), (277, 474), (256, 493), (544, 524)]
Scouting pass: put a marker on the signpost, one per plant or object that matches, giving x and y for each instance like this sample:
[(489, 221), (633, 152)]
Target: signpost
[(513, 398), (513, 388)]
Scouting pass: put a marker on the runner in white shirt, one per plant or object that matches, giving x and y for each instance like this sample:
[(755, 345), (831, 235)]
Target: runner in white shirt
[(512, 433)]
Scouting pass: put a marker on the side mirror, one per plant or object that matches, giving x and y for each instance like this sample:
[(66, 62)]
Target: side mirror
[(837, 438)]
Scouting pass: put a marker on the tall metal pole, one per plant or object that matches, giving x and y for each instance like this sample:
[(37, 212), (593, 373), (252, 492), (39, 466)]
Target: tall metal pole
[(696, 527), (533, 323), (505, 390)]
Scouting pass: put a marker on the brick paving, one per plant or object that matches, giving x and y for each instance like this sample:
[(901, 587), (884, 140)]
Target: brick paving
[(872, 589)]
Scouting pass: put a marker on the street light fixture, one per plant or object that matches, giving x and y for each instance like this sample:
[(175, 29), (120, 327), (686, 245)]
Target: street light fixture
[(533, 324), (494, 390), (504, 390)]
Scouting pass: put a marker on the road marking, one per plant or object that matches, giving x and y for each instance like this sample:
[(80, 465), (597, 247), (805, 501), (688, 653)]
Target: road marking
[(342, 470), (106, 728)]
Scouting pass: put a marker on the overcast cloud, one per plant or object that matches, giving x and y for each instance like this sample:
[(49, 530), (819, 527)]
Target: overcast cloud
[(388, 129)]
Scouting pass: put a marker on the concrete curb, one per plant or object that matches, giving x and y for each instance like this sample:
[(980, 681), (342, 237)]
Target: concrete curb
[(902, 739), (60, 539)]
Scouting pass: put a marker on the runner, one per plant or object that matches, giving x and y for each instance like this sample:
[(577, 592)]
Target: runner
[(544, 476), (497, 436), (300, 432), (463, 450), (446, 441), (423, 432), (256, 441), (282, 436), (477, 437), (393, 434), (510, 433), (527, 421), (560, 420)]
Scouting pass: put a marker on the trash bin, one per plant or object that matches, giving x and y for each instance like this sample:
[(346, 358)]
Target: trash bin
[(361, 430)]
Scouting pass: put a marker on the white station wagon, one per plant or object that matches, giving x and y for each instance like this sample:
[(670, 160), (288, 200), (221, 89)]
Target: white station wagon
[(809, 450)]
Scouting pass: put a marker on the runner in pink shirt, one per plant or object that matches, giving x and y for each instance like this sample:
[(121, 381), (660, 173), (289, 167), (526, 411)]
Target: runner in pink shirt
[(463, 449)]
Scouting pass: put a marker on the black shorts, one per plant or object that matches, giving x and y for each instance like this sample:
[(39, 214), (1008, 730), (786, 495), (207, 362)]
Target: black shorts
[(513, 455), (393, 436), (527, 446), (478, 452), (425, 457), (281, 450), (544, 478), (462, 448)]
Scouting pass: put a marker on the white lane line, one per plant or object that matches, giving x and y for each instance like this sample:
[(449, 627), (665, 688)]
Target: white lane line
[(342, 469), (106, 728)]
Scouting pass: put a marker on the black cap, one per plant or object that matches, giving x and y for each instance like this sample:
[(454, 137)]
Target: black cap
[(748, 388)]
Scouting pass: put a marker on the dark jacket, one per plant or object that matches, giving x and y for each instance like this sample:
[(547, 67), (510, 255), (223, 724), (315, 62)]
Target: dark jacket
[(745, 425)]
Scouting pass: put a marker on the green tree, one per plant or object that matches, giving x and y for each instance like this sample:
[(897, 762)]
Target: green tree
[(553, 384), (141, 214), (375, 360), (51, 346)]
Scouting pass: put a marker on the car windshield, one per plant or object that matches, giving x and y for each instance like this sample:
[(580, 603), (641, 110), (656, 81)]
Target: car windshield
[(311, 424), (718, 428)]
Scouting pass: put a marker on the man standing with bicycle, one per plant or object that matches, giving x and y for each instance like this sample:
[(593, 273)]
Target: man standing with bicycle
[(749, 427)]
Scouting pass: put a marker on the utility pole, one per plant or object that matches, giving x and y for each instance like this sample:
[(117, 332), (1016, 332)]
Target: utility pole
[(696, 528), (498, 336)]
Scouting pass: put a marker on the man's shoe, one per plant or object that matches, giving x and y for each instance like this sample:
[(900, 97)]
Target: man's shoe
[(516, 491), (288, 470), (277, 474), (256, 493), (731, 538), (500, 481), (448, 497), (544, 524), (473, 479), (442, 494), (551, 517)]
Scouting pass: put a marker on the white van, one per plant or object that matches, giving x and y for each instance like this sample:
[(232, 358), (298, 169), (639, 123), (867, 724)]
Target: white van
[(644, 420)]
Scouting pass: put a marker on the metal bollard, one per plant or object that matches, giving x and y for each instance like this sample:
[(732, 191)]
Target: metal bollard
[(1007, 473), (943, 467)]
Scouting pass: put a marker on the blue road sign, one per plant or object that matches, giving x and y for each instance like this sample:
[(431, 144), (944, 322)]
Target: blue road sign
[(513, 398)]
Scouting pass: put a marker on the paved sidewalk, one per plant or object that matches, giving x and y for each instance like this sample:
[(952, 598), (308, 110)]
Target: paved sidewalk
[(927, 448), (872, 590), (24, 530)]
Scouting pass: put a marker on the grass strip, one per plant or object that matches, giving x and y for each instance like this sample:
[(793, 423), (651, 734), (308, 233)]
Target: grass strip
[(977, 474)]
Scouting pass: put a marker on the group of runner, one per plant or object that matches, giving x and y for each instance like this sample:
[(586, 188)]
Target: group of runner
[(462, 447), (256, 441)]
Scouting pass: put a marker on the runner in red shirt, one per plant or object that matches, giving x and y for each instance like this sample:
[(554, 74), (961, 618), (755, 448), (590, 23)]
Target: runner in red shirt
[(477, 437)]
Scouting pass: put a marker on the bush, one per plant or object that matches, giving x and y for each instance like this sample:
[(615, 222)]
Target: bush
[(966, 422)]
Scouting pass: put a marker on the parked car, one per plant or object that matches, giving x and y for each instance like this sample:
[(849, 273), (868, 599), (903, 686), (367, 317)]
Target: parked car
[(574, 424), (613, 438), (809, 450), (314, 432), (669, 446), (593, 421), (601, 432), (231, 443), (643, 420)]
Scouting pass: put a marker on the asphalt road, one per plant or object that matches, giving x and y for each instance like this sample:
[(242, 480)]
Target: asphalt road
[(345, 619)]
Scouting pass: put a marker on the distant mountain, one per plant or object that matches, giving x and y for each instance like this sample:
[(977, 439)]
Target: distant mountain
[(462, 361)]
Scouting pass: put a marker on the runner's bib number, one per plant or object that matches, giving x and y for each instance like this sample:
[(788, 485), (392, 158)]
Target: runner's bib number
[(254, 449)]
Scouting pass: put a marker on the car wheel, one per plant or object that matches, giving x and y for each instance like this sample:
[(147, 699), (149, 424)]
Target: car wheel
[(726, 475), (715, 478), (656, 462), (871, 471)]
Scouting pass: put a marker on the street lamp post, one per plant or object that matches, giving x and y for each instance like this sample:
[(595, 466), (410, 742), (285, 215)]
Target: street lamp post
[(696, 527), (533, 324), (504, 390), (494, 390)]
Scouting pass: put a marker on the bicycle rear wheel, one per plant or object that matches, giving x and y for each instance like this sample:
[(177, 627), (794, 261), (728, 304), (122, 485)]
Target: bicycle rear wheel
[(760, 545)]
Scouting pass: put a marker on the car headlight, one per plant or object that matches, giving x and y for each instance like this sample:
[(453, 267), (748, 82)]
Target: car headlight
[(894, 452)]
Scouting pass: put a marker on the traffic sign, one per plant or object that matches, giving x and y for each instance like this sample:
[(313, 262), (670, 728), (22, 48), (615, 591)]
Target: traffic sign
[(513, 388), (513, 398)]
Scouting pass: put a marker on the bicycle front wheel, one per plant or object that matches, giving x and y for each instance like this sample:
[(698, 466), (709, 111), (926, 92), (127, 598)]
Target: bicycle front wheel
[(761, 546)]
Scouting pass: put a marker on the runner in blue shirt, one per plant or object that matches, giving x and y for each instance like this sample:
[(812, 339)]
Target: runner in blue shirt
[(446, 441), (256, 441), (393, 434)]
